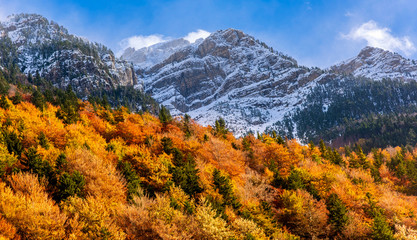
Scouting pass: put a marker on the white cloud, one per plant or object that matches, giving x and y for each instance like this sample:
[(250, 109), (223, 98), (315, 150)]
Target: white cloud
[(381, 37), (194, 36), (138, 42)]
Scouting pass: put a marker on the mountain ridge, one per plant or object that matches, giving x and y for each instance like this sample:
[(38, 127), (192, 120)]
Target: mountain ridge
[(219, 101), (204, 79), (376, 63)]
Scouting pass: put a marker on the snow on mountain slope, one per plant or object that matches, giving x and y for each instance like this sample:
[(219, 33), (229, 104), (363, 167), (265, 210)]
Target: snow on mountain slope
[(230, 75), (62, 58), (234, 76), (377, 64)]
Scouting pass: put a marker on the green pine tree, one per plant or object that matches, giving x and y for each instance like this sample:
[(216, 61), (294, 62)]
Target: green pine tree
[(164, 115), (38, 100), (36, 165), (381, 229), (337, 212), (70, 185), (13, 142), (186, 125), (220, 129), (186, 176), (323, 148), (224, 186), (43, 141), (132, 179), (4, 103)]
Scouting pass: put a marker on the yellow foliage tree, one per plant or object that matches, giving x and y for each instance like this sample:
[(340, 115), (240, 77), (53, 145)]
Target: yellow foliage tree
[(27, 206), (102, 179)]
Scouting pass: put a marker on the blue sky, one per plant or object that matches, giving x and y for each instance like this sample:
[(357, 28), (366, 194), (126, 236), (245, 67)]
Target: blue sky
[(316, 33)]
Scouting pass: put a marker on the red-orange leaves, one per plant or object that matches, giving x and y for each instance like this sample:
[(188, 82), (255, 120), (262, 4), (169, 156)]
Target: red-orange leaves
[(277, 155), (220, 153), (102, 179), (136, 127)]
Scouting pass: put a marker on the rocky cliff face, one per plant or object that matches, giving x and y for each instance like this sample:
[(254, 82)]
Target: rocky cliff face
[(377, 64), (64, 59)]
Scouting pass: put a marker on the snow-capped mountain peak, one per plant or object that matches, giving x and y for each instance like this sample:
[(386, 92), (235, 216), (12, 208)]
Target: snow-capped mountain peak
[(232, 75), (46, 48), (377, 64), (31, 29)]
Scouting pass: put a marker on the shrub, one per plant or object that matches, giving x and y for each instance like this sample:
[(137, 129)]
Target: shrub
[(91, 218), (302, 214), (104, 181), (210, 226), (247, 229), (7, 230)]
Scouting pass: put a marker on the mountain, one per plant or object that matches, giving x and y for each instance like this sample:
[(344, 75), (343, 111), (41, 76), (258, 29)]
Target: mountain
[(254, 88), (63, 59), (231, 75), (375, 103), (377, 64)]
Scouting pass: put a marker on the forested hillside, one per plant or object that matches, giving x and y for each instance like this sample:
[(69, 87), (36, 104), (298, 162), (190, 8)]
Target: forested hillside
[(73, 169), (356, 110)]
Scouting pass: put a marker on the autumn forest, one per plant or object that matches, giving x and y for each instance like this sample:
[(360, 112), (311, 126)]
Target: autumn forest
[(73, 169)]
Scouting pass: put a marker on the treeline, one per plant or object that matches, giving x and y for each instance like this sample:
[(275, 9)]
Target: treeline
[(126, 96), (378, 131)]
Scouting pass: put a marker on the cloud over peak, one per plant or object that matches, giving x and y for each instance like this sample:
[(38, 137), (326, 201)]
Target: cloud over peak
[(194, 36), (377, 36), (140, 41)]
